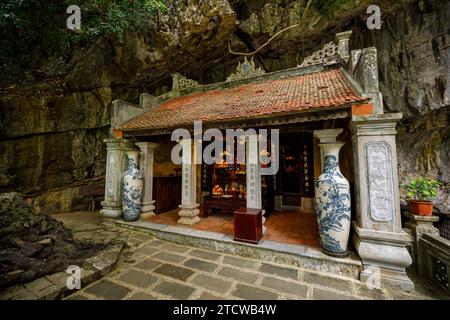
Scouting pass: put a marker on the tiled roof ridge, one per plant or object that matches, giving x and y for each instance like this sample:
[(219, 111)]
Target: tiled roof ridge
[(274, 75), (283, 74), (309, 92), (234, 88)]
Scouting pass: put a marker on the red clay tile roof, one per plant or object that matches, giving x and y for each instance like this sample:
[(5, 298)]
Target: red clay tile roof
[(320, 90)]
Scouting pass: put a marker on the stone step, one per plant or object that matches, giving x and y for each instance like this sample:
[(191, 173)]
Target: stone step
[(268, 251)]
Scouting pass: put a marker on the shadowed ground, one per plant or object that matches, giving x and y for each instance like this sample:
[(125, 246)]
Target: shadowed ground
[(155, 269)]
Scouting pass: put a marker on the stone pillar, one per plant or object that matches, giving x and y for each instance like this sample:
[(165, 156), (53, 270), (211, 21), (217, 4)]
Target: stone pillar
[(418, 226), (189, 207), (379, 237), (343, 48), (146, 167), (253, 176), (116, 163), (370, 81)]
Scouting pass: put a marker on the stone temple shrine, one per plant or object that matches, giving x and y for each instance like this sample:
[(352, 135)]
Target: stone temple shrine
[(331, 99)]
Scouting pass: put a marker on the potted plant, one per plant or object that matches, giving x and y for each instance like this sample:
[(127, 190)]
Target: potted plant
[(420, 193)]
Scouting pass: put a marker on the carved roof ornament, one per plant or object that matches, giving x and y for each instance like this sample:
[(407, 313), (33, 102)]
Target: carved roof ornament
[(180, 82), (327, 55), (246, 69), (343, 39)]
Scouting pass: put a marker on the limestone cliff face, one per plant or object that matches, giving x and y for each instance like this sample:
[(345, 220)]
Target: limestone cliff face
[(51, 132), (414, 67), (53, 142)]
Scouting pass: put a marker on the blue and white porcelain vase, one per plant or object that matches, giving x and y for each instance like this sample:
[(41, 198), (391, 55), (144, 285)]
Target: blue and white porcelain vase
[(132, 185), (333, 203)]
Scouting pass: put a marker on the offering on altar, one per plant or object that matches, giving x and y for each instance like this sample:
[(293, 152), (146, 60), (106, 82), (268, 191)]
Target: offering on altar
[(223, 164), (241, 191), (217, 190)]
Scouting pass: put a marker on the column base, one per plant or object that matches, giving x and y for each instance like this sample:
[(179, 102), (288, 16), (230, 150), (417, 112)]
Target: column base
[(384, 258), (189, 214), (392, 279), (147, 210), (334, 254), (113, 213)]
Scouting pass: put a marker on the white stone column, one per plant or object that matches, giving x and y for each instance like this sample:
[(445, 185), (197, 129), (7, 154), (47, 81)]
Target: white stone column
[(379, 237), (146, 167), (253, 176), (116, 163), (189, 207)]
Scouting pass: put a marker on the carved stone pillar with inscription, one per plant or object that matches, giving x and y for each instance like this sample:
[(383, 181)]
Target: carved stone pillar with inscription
[(379, 237), (189, 207), (146, 167), (116, 163), (370, 79), (253, 176)]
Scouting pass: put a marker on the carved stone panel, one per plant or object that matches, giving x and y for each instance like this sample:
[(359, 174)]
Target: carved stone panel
[(180, 82), (370, 70), (325, 55), (380, 181), (110, 178)]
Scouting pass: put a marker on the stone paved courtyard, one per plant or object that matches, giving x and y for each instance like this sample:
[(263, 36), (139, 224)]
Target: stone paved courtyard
[(153, 269)]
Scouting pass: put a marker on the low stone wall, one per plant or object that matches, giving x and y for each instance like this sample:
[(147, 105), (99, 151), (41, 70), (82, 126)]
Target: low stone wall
[(416, 227), (444, 226), (434, 260)]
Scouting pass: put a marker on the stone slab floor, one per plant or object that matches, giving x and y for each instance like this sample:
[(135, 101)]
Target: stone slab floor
[(154, 269)]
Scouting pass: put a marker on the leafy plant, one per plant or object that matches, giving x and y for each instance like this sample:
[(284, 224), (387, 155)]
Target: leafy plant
[(422, 188), (106, 17), (33, 30)]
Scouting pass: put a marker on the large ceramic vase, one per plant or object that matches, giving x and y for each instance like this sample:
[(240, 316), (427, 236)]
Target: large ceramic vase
[(333, 203), (132, 185)]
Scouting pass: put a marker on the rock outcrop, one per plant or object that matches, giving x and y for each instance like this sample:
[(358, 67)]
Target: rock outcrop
[(33, 245), (414, 65)]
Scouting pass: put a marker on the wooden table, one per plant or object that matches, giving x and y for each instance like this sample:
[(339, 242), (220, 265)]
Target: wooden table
[(221, 203)]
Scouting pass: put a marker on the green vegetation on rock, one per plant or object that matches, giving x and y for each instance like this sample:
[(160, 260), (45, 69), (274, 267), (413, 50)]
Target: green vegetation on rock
[(32, 29)]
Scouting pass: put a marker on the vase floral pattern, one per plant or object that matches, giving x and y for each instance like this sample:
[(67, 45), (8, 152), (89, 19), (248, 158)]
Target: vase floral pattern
[(132, 185), (333, 204)]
